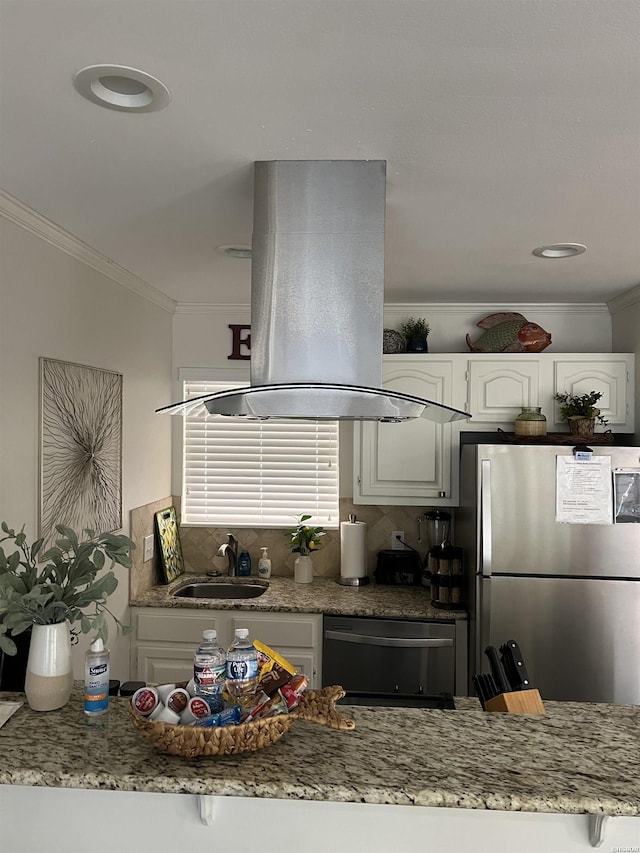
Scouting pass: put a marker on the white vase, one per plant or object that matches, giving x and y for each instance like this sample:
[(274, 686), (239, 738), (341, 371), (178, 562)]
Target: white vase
[(49, 669), (303, 569)]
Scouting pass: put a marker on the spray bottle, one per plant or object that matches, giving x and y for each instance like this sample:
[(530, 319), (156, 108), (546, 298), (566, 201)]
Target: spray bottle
[(96, 679)]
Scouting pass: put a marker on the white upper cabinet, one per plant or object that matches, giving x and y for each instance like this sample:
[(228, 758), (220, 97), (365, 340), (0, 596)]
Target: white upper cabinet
[(497, 388), (610, 374), (499, 385), (415, 462)]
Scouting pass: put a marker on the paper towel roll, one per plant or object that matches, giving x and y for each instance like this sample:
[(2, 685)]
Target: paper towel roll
[(353, 549)]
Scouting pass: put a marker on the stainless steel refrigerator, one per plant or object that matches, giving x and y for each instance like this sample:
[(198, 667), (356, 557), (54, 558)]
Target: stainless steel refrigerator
[(567, 591)]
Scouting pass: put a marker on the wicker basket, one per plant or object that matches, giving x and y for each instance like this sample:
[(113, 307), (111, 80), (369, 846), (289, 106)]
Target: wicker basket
[(317, 706)]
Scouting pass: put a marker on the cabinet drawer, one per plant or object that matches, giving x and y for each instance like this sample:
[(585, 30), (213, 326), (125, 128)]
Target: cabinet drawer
[(279, 631), (175, 627)]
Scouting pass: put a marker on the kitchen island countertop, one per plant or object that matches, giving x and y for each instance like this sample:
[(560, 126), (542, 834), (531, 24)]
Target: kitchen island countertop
[(579, 758), (324, 595)]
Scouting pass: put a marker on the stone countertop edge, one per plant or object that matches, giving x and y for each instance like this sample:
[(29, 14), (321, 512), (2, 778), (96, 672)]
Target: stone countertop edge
[(579, 758), (323, 595)]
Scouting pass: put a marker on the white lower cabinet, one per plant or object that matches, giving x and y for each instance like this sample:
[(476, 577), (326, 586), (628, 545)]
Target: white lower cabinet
[(165, 639)]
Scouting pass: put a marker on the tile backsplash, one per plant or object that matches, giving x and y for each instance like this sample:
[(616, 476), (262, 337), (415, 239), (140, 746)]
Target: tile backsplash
[(199, 544), (145, 575)]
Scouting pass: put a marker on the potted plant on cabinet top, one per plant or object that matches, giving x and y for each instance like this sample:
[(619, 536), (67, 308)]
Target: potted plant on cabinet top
[(581, 412), (415, 333), (63, 586)]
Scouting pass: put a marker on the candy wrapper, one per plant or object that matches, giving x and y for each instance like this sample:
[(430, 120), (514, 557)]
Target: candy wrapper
[(274, 705), (228, 717), (273, 669), (293, 690)]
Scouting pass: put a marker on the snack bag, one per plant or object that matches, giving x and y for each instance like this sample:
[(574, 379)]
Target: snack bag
[(273, 669)]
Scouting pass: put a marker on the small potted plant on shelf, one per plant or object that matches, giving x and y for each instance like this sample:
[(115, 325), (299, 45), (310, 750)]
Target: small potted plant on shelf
[(45, 594), (580, 412), (415, 332)]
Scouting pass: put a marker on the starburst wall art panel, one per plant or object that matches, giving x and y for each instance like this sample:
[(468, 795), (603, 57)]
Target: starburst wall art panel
[(80, 448)]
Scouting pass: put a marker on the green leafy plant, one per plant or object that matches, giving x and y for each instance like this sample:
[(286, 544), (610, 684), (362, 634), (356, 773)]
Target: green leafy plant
[(580, 405), (303, 537), (65, 582), (415, 328)]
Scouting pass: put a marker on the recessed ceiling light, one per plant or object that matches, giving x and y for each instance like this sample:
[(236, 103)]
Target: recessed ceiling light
[(236, 251), (559, 250), (119, 87)]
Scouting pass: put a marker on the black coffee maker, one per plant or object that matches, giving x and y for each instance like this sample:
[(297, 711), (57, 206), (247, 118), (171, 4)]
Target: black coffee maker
[(442, 571)]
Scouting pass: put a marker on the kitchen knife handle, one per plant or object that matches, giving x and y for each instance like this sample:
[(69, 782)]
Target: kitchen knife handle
[(514, 665), (497, 670), (479, 688)]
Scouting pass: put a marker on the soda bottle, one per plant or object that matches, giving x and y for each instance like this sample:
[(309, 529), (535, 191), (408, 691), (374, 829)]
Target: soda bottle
[(209, 669), (242, 668)]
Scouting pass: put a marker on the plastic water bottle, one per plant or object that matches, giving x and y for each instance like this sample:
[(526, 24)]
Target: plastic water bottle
[(96, 679), (209, 670), (242, 668)]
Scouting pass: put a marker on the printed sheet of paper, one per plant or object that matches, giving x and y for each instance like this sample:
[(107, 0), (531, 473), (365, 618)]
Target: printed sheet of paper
[(584, 493)]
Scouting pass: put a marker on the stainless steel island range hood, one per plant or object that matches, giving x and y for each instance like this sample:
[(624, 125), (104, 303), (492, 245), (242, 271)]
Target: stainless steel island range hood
[(317, 294)]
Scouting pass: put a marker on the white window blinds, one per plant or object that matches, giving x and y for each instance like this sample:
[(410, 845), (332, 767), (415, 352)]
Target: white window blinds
[(257, 473)]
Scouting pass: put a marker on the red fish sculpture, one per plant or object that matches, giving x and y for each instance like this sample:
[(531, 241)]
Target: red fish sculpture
[(509, 332)]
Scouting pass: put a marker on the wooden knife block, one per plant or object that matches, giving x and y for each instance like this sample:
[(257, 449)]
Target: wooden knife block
[(518, 702)]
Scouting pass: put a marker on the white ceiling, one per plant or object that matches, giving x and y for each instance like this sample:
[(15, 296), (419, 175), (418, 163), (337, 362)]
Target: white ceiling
[(506, 124)]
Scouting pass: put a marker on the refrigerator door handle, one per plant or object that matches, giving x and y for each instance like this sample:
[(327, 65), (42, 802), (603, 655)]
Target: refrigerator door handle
[(485, 518)]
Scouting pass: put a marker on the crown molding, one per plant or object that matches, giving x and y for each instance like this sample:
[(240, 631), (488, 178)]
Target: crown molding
[(232, 309), (405, 309), (625, 300), (20, 214)]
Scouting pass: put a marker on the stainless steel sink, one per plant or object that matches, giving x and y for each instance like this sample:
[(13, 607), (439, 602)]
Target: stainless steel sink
[(218, 589)]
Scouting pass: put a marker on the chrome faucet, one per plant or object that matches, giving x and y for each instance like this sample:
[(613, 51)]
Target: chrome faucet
[(230, 548)]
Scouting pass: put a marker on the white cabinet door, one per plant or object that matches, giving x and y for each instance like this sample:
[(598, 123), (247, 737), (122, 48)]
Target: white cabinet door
[(157, 664), (611, 374), (499, 387), (415, 462)]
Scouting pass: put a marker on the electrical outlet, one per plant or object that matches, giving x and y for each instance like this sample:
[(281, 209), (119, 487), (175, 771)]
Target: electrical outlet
[(147, 552), (396, 535)]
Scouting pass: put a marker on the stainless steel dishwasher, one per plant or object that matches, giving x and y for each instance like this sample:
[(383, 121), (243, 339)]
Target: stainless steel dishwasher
[(394, 661)]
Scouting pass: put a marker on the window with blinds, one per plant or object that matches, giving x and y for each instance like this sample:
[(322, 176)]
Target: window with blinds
[(241, 473)]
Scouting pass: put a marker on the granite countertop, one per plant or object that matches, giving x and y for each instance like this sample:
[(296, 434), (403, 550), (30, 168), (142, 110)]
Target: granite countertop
[(578, 758), (324, 595)]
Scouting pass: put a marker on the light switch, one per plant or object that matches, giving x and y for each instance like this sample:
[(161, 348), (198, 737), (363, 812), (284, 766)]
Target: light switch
[(147, 553)]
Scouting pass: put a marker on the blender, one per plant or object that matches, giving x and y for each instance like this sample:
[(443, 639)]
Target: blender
[(442, 570)]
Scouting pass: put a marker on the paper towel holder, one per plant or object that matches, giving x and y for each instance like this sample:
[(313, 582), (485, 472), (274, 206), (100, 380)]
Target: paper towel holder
[(361, 578)]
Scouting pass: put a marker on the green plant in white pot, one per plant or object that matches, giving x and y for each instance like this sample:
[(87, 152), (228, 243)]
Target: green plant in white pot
[(67, 585)]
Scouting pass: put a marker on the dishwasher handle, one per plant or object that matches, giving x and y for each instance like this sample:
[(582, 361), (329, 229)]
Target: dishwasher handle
[(398, 642)]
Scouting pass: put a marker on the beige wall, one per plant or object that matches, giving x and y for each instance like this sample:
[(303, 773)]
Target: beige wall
[(625, 330), (54, 305)]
